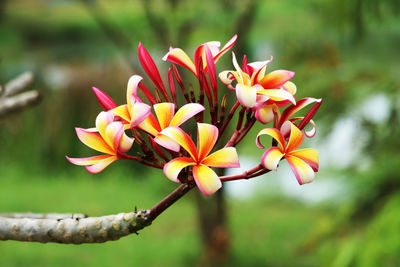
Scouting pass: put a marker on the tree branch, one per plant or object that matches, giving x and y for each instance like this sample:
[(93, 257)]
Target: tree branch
[(10, 97), (71, 230)]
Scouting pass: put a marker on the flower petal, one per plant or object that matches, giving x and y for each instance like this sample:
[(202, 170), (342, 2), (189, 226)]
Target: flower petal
[(265, 114), (125, 143), (226, 77), (225, 49), (138, 113), (271, 158), (247, 95), (309, 155), (178, 56), (186, 112), (277, 95), (274, 133), (150, 68), (276, 79), (113, 134), (207, 136), (100, 166), (175, 166), (164, 113), (167, 142), (182, 138), (105, 101), (88, 160), (206, 179), (102, 120), (292, 109), (123, 112), (304, 173), (150, 125), (93, 140), (296, 136), (132, 86), (290, 87), (224, 158)]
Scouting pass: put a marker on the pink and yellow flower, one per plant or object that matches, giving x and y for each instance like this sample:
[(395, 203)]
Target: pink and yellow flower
[(253, 86), (109, 139), (304, 162), (178, 56), (167, 117), (206, 179), (134, 112)]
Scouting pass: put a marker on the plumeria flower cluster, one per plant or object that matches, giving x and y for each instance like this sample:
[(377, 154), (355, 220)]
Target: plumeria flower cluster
[(158, 123)]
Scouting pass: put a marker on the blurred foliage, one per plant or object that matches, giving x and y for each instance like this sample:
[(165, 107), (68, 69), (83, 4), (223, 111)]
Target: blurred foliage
[(343, 51)]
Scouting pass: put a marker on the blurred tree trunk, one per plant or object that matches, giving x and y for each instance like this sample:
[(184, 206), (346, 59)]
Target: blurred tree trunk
[(212, 213), (2, 8)]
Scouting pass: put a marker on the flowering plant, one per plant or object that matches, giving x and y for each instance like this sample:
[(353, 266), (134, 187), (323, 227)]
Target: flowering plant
[(157, 127)]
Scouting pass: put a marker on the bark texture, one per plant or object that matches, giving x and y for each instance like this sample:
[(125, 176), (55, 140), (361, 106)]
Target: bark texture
[(70, 228)]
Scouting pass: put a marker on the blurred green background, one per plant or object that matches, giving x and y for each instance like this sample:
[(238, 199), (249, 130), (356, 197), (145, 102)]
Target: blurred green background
[(346, 52)]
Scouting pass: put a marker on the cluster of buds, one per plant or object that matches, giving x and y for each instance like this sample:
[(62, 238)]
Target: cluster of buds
[(157, 126)]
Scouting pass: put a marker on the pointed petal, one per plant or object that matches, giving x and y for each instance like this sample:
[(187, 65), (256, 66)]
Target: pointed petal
[(271, 158), (224, 158), (182, 138), (123, 112), (104, 100), (265, 114), (164, 113), (175, 166), (296, 136), (139, 112), (88, 160), (304, 173), (292, 109), (207, 136), (206, 179), (276, 79), (290, 87), (94, 141), (167, 142), (132, 86), (309, 155), (277, 95), (150, 68), (178, 56), (274, 133), (102, 120), (309, 133), (211, 70), (239, 76), (226, 47), (100, 166), (113, 134), (247, 95), (186, 112), (150, 125)]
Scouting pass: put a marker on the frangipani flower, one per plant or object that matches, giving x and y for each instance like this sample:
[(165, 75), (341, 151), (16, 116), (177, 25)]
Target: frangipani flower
[(178, 56), (134, 112), (206, 179), (253, 83), (166, 116), (304, 162), (110, 139), (265, 107)]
